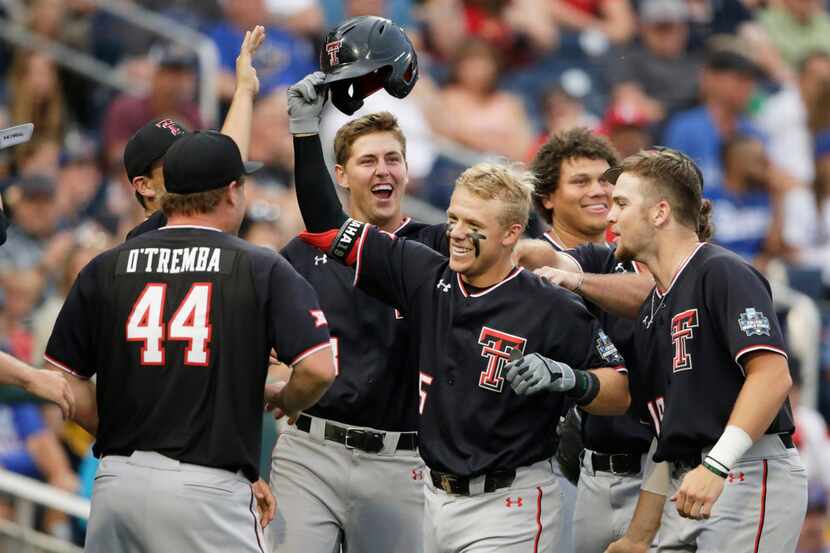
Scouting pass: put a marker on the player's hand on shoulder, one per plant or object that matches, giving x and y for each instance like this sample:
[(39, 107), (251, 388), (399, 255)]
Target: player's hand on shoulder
[(566, 279), (697, 493), (52, 386), (246, 75), (535, 373), (306, 98), (265, 501), (627, 545)]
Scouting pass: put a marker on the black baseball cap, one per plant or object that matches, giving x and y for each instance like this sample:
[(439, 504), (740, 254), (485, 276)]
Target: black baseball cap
[(149, 144), (202, 161), (726, 59)]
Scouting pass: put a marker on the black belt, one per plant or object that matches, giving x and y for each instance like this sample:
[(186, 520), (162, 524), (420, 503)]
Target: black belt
[(359, 438), (460, 485), (616, 463), (693, 461)]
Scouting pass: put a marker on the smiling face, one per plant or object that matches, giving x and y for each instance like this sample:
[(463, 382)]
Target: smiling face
[(582, 200), (629, 218), (469, 214), (376, 176)]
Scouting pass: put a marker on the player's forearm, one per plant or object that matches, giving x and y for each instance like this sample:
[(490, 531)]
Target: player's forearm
[(532, 254), (309, 381), (767, 385), (86, 403), (646, 520), (238, 121), (316, 196), (613, 397), (621, 294), (14, 372)]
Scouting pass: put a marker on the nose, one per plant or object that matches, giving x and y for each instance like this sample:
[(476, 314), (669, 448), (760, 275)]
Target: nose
[(457, 232), (382, 168), (612, 215), (599, 187)]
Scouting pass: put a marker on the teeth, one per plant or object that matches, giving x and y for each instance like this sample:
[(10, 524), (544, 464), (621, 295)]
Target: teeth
[(382, 188)]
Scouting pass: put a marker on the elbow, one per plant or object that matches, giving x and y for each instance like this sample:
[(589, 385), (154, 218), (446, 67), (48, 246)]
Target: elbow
[(322, 377)]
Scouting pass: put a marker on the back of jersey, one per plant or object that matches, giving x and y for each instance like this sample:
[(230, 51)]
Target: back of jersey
[(178, 324)]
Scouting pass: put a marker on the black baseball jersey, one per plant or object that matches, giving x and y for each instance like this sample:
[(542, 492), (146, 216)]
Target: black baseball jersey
[(178, 324), (471, 420), (717, 309), (155, 221), (374, 350), (625, 433)]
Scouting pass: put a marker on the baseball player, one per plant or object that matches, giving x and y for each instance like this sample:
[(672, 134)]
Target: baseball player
[(574, 200), (144, 152), (488, 447), (178, 324), (719, 379), (357, 447)]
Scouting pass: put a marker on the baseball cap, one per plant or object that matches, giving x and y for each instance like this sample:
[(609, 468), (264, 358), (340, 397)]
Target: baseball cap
[(202, 161), (149, 144), (174, 57), (34, 186), (624, 115), (728, 59), (664, 11)]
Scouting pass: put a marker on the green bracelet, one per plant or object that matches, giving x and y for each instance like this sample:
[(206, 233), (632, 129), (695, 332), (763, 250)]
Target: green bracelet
[(714, 470)]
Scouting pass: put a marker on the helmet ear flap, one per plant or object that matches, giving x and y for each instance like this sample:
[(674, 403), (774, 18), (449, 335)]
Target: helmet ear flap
[(345, 98)]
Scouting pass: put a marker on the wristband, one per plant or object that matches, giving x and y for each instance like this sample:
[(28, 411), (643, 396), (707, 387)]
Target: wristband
[(585, 389), (343, 246), (731, 446), (713, 469)]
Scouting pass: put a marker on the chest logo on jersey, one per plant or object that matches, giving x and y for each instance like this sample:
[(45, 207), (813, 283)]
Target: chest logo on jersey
[(320, 259), (753, 323), (497, 346), (443, 286), (682, 329)]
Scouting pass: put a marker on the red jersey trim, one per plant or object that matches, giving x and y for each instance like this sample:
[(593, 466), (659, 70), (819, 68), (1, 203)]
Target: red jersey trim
[(556, 245), (513, 274), (64, 368), (679, 271), (406, 221), (759, 347), (310, 351), (166, 227), (359, 254)]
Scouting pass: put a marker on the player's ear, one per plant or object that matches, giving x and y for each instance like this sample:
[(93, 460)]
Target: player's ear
[(512, 234), (144, 187), (340, 176), (660, 213)]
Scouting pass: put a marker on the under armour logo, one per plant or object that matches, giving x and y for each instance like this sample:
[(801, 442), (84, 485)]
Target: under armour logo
[(620, 268), (417, 474), (319, 318), (443, 286), (510, 502), (333, 50), (321, 259), (732, 477)]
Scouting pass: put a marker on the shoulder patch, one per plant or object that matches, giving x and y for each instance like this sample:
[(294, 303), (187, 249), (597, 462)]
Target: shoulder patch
[(753, 322), (607, 350)]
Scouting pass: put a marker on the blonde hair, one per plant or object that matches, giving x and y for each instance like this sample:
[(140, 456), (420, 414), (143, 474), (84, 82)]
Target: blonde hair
[(508, 183)]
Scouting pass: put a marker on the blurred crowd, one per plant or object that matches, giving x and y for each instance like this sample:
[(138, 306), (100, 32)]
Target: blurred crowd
[(742, 86)]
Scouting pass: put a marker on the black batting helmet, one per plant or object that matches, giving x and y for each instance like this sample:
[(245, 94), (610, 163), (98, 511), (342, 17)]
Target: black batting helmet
[(364, 54)]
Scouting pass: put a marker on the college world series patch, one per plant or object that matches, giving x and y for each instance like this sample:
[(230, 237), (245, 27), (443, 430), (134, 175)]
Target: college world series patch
[(607, 349), (753, 323)]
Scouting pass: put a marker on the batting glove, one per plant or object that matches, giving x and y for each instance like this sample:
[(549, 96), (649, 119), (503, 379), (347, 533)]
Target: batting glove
[(536, 373), (305, 104)]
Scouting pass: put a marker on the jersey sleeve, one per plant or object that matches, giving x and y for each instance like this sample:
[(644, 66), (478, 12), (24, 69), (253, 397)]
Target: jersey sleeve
[(298, 327), (582, 343), (740, 303), (70, 345), (393, 269), (593, 258)]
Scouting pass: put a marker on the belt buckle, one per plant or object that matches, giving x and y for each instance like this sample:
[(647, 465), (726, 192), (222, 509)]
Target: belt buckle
[(446, 483), (350, 432), (611, 464)]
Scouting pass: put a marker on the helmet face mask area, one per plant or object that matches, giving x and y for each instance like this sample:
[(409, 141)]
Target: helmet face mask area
[(364, 54)]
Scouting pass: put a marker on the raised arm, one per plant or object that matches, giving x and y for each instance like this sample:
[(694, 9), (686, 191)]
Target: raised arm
[(316, 195), (238, 121)]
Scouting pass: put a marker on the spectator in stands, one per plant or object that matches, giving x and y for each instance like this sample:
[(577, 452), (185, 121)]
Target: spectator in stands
[(563, 109), (283, 58), (520, 29), (271, 143), (627, 127), (79, 181), (814, 240), (812, 538), (261, 226), (35, 95), (22, 290), (304, 17), (32, 240), (727, 82), (797, 27), (811, 438), (172, 91), (479, 115), (654, 74), (615, 19), (745, 209)]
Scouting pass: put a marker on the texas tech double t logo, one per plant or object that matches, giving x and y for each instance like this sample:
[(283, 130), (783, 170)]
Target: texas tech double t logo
[(682, 326), (497, 348)]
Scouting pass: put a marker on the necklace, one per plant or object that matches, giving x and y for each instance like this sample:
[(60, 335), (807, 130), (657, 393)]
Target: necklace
[(648, 320)]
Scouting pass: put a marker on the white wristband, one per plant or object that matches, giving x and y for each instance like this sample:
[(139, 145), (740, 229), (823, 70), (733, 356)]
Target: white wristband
[(731, 446)]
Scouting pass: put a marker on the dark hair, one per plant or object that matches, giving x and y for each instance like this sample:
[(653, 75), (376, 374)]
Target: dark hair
[(731, 143), (571, 144), (673, 175), (347, 135)]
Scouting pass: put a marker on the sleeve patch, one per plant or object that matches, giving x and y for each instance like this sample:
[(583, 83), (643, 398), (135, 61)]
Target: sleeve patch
[(607, 350), (319, 318), (754, 323)]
